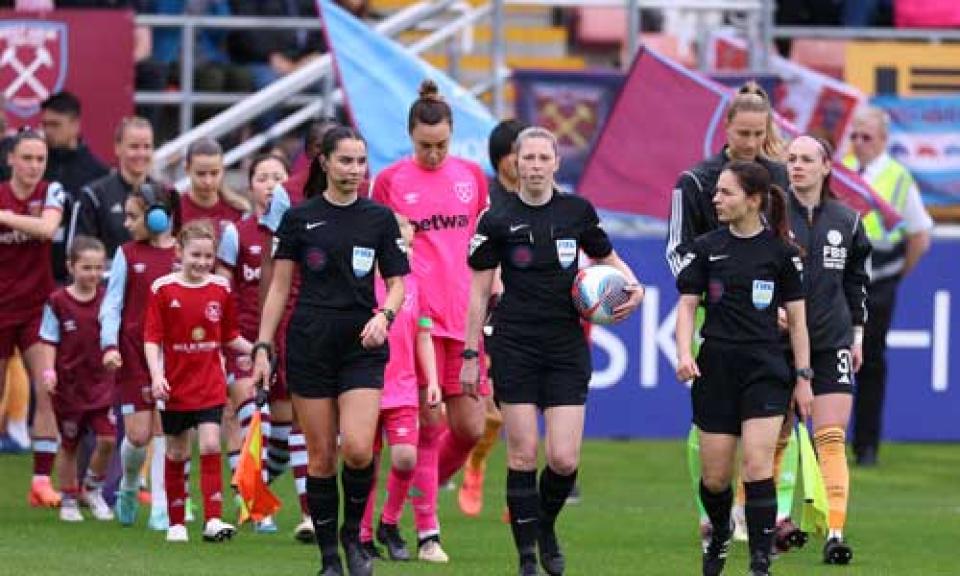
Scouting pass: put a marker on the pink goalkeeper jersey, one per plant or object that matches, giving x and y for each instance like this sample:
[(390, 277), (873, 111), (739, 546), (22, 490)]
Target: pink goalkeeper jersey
[(400, 377), (443, 205)]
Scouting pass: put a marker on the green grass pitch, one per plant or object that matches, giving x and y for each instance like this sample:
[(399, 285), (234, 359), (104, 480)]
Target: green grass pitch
[(636, 518)]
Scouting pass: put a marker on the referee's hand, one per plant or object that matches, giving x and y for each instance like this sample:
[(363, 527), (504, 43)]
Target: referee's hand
[(636, 296), (262, 371), (374, 333), (687, 368), (470, 376), (803, 397)]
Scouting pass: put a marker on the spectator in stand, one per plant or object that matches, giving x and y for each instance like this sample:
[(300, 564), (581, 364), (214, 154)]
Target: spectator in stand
[(70, 163), (213, 70), (865, 13)]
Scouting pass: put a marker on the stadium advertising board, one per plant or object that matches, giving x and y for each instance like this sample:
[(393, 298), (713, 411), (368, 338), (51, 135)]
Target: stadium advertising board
[(634, 392)]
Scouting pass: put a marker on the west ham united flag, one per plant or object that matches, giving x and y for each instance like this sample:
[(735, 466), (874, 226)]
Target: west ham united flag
[(665, 120), (381, 79)]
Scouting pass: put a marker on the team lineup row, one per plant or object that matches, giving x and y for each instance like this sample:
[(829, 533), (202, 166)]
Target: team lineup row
[(300, 287)]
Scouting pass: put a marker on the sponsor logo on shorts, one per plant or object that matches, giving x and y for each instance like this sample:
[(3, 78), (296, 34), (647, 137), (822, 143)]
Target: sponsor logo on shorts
[(566, 251), (762, 294), (362, 260)]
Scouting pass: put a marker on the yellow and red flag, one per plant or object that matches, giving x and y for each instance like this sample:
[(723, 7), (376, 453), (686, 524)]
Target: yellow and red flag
[(258, 501)]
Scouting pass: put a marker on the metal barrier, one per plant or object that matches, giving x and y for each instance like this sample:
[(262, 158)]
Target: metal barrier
[(250, 106), (289, 88)]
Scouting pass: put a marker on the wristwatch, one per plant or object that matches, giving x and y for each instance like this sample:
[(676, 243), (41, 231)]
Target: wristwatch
[(805, 373), (389, 314), (469, 354)]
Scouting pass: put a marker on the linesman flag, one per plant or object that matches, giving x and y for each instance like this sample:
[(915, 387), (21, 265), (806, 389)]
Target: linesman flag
[(815, 507), (258, 501)]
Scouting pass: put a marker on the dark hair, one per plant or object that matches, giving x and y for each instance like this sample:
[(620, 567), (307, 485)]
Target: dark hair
[(25, 134), (63, 103), (82, 243), (167, 197), (261, 158), (203, 147), (315, 132), (128, 122), (502, 138), (755, 181), (197, 229), (317, 179), (429, 108)]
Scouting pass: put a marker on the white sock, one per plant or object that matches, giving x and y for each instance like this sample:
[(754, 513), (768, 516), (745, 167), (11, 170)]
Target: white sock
[(131, 460), (838, 534), (158, 493), (19, 431)]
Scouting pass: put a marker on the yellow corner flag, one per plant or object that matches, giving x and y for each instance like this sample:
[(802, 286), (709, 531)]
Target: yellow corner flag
[(258, 501), (814, 518)]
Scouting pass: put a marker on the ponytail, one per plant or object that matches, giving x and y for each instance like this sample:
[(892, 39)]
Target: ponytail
[(755, 180), (778, 220)]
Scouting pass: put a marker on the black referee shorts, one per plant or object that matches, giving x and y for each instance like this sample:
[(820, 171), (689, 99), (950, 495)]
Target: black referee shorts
[(176, 422), (739, 383), (832, 371), (546, 365), (325, 358)]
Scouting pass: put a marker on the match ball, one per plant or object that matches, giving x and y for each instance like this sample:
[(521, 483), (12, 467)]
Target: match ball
[(597, 291)]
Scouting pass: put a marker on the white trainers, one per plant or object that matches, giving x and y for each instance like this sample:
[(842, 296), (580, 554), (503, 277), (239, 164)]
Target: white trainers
[(216, 530), (304, 532), (266, 526), (177, 533), (70, 511), (432, 552), (93, 499)]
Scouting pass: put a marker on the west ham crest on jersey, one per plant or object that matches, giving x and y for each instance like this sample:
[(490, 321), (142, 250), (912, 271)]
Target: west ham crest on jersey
[(464, 191), (33, 63)]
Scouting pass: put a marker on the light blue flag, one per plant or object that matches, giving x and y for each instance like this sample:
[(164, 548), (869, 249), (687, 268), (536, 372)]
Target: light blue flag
[(381, 79)]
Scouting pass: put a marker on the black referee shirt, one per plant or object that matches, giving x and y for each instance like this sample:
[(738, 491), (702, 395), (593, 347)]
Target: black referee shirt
[(537, 248), (744, 281), (336, 248)]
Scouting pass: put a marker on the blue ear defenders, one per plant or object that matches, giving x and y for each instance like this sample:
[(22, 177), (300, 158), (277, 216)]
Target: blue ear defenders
[(157, 214)]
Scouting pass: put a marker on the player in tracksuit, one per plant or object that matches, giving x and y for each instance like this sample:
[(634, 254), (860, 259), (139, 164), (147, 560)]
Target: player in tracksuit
[(101, 213), (835, 279)]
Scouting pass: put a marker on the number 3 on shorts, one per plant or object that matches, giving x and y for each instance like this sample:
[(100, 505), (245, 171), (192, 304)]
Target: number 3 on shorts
[(843, 366)]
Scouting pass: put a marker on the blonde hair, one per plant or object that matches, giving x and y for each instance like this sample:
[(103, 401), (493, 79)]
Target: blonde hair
[(202, 229), (751, 97)]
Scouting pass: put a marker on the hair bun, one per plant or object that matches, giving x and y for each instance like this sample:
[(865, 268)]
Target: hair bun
[(429, 90)]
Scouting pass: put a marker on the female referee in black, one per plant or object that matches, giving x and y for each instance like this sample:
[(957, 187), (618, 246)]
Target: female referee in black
[(337, 347), (744, 271), (538, 349)]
